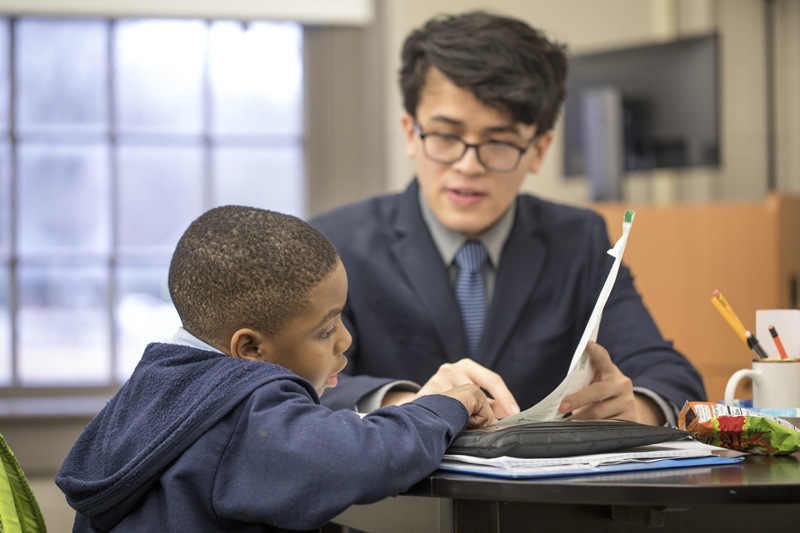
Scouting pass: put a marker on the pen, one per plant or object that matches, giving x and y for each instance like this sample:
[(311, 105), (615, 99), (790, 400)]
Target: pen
[(733, 321), (753, 343), (778, 343)]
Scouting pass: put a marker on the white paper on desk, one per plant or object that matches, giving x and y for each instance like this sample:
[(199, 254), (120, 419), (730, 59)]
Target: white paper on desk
[(632, 456), (581, 371), (787, 324)]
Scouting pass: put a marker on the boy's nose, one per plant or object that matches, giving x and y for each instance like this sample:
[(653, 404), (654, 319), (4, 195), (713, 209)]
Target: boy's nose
[(344, 341)]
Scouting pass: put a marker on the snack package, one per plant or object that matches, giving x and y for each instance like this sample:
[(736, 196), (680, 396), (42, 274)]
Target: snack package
[(739, 429)]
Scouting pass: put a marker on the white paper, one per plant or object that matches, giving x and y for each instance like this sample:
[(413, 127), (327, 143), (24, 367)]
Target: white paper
[(634, 455), (581, 371), (787, 324)]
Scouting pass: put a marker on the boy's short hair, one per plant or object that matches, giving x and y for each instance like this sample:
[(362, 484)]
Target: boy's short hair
[(242, 267), (504, 62)]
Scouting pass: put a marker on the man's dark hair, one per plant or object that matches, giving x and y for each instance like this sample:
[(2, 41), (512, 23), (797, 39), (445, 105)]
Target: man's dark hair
[(242, 267), (504, 62)]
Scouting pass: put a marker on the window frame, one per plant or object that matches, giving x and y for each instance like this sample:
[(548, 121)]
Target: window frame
[(113, 140)]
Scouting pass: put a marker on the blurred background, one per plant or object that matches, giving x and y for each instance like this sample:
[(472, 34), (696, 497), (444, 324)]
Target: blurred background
[(120, 122)]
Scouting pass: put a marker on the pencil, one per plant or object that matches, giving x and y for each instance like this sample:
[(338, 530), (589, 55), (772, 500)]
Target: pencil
[(727, 313), (737, 328), (729, 309), (778, 343)]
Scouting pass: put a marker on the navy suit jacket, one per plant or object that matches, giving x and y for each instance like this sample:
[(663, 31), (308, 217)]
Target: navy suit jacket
[(405, 322)]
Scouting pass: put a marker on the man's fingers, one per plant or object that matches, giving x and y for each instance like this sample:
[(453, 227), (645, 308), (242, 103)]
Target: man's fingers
[(621, 407), (499, 409), (598, 392), (467, 371), (493, 384), (600, 358)]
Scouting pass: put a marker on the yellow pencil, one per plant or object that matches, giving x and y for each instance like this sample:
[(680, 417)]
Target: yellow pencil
[(728, 307), (732, 322), (727, 313)]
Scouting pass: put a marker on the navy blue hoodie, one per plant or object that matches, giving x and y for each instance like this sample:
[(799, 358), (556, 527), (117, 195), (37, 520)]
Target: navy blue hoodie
[(200, 441)]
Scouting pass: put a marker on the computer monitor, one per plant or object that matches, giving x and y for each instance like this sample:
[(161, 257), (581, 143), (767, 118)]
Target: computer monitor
[(669, 104)]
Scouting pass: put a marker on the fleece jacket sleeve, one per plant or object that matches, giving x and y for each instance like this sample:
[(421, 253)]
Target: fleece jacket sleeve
[(295, 464)]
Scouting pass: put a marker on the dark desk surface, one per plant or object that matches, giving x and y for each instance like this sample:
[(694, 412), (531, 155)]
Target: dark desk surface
[(757, 479), (756, 493)]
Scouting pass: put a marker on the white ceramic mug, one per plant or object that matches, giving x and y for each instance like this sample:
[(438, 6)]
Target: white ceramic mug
[(776, 383)]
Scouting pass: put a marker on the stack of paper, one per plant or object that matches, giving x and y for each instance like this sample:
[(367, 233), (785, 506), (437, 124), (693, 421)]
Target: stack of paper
[(666, 455)]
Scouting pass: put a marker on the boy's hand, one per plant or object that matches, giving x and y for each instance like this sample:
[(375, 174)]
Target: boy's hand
[(476, 403), (468, 371)]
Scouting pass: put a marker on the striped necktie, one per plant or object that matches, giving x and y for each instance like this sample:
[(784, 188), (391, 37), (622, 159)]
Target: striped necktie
[(470, 292)]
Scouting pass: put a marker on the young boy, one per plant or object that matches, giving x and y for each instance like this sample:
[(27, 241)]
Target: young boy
[(223, 429)]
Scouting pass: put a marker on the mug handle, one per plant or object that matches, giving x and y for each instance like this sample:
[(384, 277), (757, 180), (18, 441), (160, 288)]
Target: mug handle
[(730, 389)]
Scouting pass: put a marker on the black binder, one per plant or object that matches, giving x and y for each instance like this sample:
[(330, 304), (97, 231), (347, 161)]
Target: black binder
[(561, 438)]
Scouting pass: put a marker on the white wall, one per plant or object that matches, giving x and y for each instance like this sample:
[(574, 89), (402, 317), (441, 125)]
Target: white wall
[(787, 89)]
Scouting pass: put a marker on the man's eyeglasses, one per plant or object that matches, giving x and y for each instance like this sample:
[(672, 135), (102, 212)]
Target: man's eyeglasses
[(495, 156)]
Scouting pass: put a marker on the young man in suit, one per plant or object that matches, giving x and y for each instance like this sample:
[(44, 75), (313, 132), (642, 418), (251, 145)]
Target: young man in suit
[(462, 279)]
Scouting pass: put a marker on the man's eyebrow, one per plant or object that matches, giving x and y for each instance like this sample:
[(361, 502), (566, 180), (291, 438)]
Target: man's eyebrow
[(510, 128), (332, 313), (447, 120), (502, 128)]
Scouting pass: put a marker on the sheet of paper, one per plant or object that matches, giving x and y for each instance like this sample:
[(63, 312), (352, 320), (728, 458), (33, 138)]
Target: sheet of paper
[(581, 371), (633, 455)]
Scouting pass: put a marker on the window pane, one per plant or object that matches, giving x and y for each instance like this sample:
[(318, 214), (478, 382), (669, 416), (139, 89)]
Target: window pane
[(159, 77), (270, 178), (257, 77), (64, 199), (144, 314), (62, 77), (5, 83), (5, 327), (5, 201), (160, 193), (63, 326)]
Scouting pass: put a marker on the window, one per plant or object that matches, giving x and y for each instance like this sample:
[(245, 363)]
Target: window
[(114, 136)]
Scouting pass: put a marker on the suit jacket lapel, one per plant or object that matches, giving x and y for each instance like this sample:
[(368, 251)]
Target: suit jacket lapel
[(416, 253), (521, 264)]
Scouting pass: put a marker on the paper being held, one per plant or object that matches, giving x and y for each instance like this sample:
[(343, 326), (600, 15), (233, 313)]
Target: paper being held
[(581, 371)]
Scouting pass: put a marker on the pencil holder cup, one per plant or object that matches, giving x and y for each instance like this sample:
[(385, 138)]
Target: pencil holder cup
[(776, 383)]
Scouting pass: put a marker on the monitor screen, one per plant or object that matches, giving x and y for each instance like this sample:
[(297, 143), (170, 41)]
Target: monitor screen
[(670, 103)]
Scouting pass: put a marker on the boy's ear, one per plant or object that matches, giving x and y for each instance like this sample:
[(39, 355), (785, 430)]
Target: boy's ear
[(250, 344), (540, 150)]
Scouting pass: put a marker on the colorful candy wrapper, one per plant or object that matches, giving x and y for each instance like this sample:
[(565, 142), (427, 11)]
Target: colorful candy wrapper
[(739, 429)]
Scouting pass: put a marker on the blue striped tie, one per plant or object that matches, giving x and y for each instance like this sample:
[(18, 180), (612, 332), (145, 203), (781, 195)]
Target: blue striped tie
[(470, 292)]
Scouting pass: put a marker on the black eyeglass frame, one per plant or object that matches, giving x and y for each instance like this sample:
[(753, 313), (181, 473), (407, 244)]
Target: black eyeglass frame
[(477, 146)]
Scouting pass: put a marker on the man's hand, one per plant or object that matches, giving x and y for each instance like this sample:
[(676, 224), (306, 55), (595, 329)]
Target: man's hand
[(466, 371), (610, 395), (476, 403)]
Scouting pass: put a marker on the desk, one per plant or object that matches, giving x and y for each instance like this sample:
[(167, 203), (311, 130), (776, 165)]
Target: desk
[(749, 496)]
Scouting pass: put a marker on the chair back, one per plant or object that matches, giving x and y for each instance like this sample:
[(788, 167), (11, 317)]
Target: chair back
[(19, 510)]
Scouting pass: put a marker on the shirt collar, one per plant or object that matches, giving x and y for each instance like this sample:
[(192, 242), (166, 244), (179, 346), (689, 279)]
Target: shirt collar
[(448, 241), (185, 338)]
